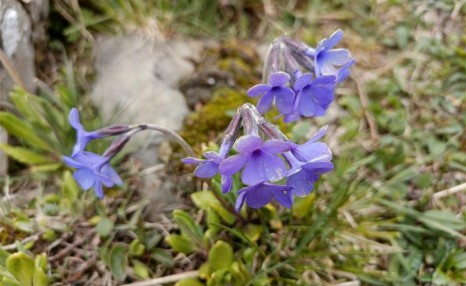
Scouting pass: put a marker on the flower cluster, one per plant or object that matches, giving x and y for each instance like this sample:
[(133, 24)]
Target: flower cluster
[(264, 163), (93, 170), (301, 81)]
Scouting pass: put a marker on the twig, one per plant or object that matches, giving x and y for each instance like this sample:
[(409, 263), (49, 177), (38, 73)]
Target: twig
[(171, 133), (11, 70), (365, 103), (34, 237), (165, 279), (449, 191)]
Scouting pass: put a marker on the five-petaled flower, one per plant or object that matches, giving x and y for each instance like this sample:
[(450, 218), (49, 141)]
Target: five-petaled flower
[(277, 90), (259, 195), (259, 159), (313, 96), (93, 171), (83, 137), (330, 61), (209, 167)]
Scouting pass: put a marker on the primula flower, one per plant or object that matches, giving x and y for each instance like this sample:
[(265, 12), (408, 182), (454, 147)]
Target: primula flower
[(261, 194), (83, 137), (275, 89), (313, 96), (302, 181), (307, 162), (209, 168), (312, 150), (93, 171), (259, 160), (328, 60)]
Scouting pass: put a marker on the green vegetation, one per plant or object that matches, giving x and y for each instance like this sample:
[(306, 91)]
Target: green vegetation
[(392, 213)]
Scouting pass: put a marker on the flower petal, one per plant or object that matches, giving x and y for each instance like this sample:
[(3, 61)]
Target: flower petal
[(302, 183), (258, 89), (319, 134), (302, 81), (73, 119), (192, 161), (227, 183), (334, 39), (240, 200), (266, 101), (248, 143), (206, 170), (282, 198), (275, 146), (314, 151), (98, 190), (73, 163), (258, 197), (319, 168), (112, 174), (263, 167), (284, 98), (307, 104), (233, 164), (337, 57), (345, 71), (278, 79), (85, 178)]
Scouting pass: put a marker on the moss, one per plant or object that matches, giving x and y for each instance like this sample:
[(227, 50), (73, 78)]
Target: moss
[(210, 121)]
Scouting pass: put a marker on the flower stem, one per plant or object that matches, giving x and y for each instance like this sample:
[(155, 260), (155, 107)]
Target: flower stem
[(171, 133)]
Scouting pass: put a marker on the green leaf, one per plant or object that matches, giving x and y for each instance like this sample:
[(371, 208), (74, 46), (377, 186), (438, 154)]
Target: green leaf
[(188, 227), (7, 281), (104, 227), (220, 255), (163, 256), (3, 257), (180, 243), (206, 200), (25, 155), (136, 248), (16, 127), (40, 278), (21, 266), (140, 269), (118, 259)]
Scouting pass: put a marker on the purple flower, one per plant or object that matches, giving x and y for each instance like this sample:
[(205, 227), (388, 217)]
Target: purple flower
[(209, 168), (307, 162), (313, 151), (276, 90), (259, 160), (302, 181), (93, 171), (261, 194), (329, 61), (313, 96), (82, 136)]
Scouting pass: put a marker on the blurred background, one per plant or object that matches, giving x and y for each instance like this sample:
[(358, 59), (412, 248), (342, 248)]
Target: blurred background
[(392, 213)]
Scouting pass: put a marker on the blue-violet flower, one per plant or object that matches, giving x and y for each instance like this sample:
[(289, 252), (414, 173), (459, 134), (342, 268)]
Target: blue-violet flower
[(277, 90), (261, 194), (313, 96), (260, 160), (328, 60), (93, 171)]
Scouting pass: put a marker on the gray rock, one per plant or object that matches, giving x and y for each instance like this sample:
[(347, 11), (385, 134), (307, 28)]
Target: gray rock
[(137, 82), (16, 37)]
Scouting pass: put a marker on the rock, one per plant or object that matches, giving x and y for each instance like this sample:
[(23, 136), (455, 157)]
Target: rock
[(16, 36), (137, 82)]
